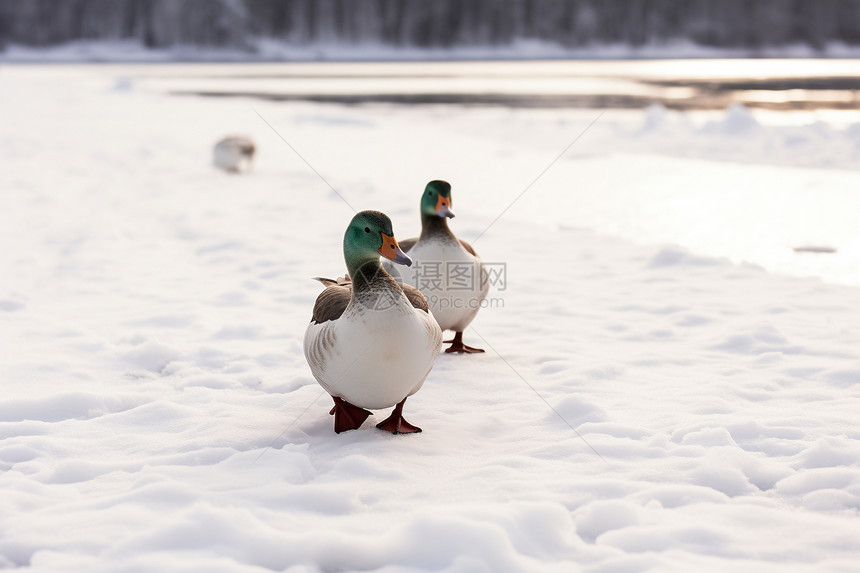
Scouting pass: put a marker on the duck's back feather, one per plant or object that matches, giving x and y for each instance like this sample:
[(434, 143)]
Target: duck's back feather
[(468, 248), (415, 297), (407, 244)]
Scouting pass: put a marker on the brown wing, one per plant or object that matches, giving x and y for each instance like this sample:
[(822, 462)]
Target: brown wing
[(333, 300), (468, 248), (407, 244), (415, 297), (331, 303)]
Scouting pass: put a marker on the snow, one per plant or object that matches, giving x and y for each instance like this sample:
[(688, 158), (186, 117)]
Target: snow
[(667, 384)]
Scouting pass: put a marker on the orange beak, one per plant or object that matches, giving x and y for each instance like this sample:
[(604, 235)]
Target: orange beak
[(443, 207), (392, 251)]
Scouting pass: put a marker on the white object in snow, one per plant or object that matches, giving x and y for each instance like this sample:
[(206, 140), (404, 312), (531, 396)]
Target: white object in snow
[(234, 153)]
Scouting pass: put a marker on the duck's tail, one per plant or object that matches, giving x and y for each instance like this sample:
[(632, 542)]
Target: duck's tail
[(340, 281)]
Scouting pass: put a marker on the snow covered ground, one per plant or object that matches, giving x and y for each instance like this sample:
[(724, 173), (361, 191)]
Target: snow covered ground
[(667, 386)]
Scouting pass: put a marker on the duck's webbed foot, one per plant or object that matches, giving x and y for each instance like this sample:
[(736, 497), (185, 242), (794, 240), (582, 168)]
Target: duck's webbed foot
[(395, 422), (347, 416), (458, 346)]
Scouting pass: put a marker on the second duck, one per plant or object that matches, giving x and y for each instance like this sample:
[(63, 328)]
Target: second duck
[(447, 270)]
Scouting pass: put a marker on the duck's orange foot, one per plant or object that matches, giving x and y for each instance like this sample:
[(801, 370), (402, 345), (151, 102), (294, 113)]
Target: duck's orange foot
[(395, 422), (458, 346), (346, 416)]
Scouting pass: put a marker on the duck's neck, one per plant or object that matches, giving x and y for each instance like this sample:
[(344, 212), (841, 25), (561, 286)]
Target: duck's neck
[(368, 275), (356, 259), (434, 227)]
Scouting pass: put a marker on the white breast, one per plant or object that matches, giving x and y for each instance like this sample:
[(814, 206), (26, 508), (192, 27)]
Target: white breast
[(373, 358)]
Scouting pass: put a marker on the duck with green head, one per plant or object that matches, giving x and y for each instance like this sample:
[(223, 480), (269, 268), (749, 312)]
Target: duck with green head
[(371, 342), (447, 270)]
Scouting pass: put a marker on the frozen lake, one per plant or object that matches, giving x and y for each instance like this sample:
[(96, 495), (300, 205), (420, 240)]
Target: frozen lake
[(769, 175), (518, 116), (782, 85)]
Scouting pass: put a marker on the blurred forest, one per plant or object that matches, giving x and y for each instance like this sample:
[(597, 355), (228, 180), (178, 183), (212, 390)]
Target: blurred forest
[(238, 24)]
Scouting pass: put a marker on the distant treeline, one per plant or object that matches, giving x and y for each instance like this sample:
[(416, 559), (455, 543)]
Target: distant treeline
[(750, 24)]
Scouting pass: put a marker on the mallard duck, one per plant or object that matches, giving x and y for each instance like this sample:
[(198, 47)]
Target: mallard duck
[(371, 342), (447, 269), (234, 153)]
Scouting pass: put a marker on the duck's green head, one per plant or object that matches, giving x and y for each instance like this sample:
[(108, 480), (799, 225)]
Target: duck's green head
[(436, 200), (369, 235)]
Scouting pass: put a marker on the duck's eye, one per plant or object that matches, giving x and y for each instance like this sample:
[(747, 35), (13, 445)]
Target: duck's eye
[(430, 193), (367, 229)]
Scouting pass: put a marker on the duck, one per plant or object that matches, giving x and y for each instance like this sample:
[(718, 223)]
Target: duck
[(234, 153), (447, 270), (371, 341)]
